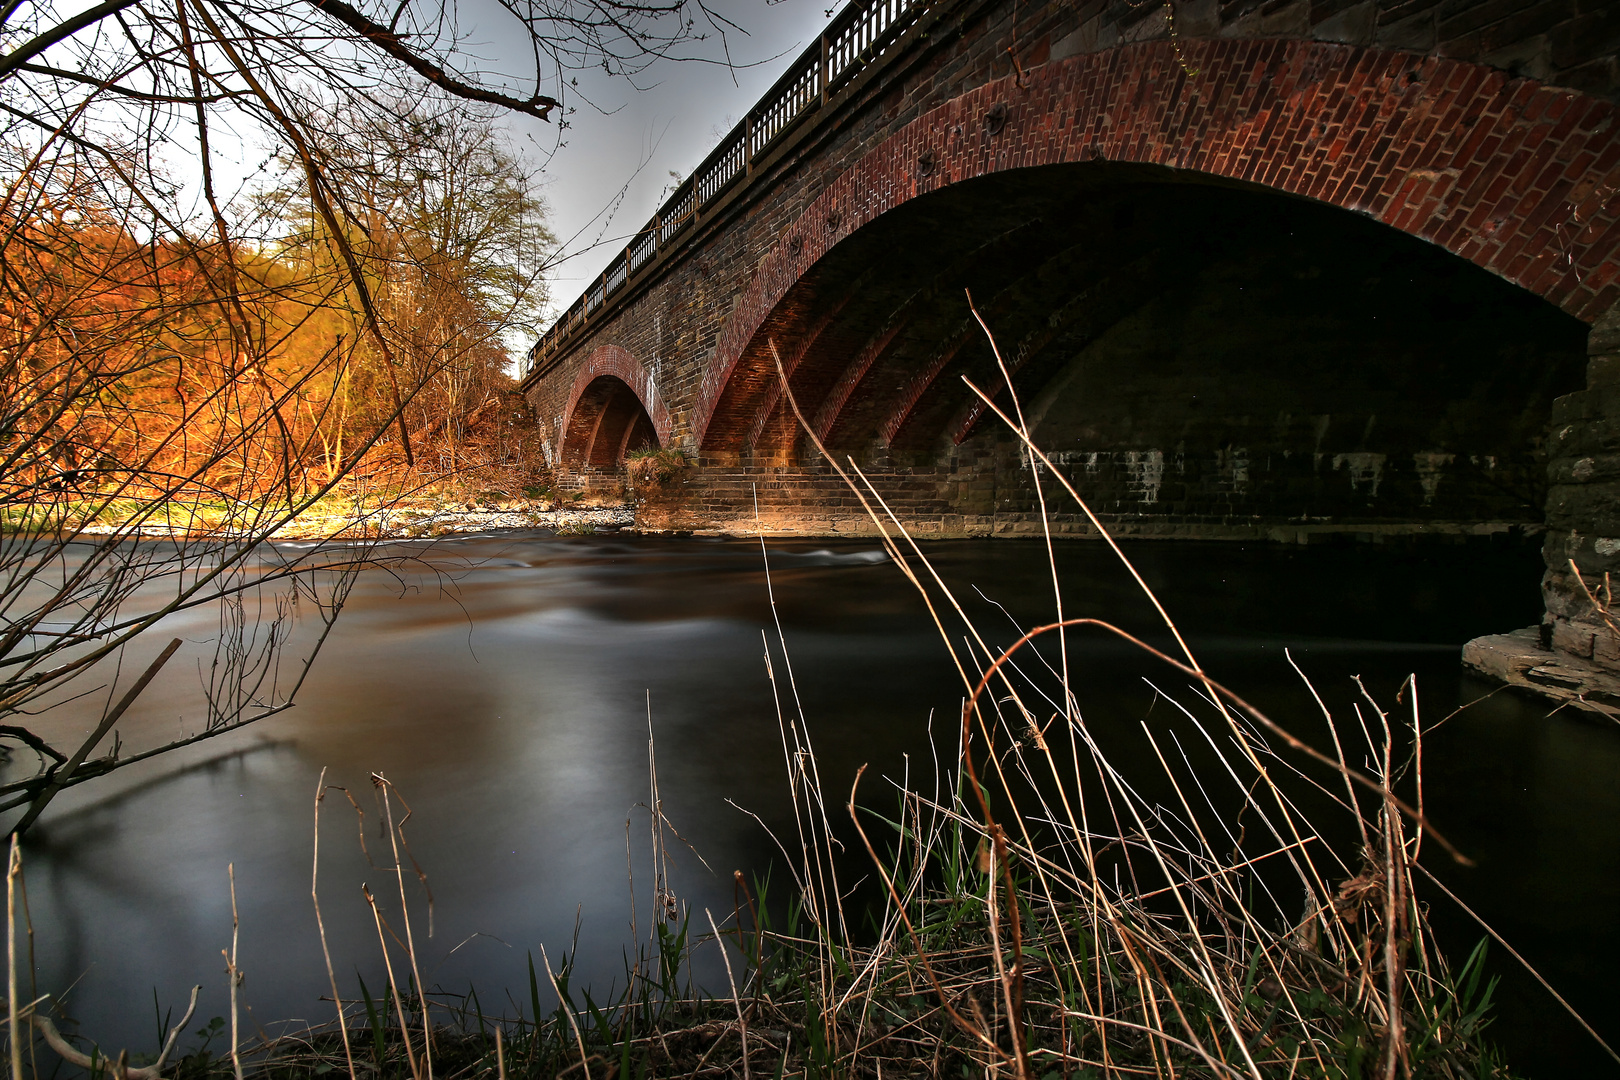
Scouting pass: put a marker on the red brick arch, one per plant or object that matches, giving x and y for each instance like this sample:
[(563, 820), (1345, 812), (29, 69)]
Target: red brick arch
[(1519, 178), (598, 398)]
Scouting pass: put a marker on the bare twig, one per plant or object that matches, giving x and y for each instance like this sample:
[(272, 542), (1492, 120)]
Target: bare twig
[(64, 774), (74, 1056), (235, 977)]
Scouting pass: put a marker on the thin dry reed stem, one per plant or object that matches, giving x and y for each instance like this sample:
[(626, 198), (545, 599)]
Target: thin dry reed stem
[(742, 1022), (13, 866), (1226, 986), (234, 974), (1502, 941), (394, 834), (393, 984), (320, 925), (579, 1039)]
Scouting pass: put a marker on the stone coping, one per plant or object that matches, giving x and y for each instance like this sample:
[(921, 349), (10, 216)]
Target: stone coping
[(1519, 660)]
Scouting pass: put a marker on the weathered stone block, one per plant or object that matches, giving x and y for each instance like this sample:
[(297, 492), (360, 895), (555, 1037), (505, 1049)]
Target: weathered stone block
[(1575, 638), (1604, 339), (1587, 469), (1586, 37), (1588, 509), (1353, 25), (1417, 33)]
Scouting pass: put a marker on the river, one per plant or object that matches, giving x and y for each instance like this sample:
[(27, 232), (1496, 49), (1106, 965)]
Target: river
[(504, 685)]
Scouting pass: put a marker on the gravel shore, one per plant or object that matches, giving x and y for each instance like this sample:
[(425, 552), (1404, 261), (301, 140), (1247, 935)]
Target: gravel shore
[(421, 521), (401, 524)]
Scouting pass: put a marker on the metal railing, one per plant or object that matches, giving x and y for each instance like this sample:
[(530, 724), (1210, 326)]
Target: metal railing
[(857, 36), (675, 214), (775, 117), (720, 172), (642, 249)]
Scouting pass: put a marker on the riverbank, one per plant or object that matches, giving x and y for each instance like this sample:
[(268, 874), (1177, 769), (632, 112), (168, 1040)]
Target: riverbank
[(401, 519), (410, 520)]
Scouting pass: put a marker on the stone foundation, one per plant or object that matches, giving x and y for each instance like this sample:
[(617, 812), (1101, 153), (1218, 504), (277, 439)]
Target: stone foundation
[(1523, 661), (1583, 510), (986, 493)]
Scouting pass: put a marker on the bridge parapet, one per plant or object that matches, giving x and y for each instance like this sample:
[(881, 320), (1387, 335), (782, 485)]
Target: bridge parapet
[(856, 37)]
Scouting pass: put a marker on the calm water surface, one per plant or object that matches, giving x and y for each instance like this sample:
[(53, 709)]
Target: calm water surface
[(504, 686)]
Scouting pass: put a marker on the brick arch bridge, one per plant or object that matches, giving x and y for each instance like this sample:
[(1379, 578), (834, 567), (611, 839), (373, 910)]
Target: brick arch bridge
[(1502, 172), (613, 407), (1183, 221)]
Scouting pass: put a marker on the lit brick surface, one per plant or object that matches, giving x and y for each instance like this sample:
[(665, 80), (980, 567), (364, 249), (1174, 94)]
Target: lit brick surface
[(1520, 179), (576, 429)]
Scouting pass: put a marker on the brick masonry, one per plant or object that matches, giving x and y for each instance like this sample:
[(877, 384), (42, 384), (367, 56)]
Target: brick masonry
[(1519, 179), (582, 426), (1486, 129)]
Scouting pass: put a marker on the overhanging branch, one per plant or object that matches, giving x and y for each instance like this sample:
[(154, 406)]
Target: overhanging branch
[(393, 44)]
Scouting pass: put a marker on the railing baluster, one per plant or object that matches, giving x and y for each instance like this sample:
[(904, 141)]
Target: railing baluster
[(862, 32)]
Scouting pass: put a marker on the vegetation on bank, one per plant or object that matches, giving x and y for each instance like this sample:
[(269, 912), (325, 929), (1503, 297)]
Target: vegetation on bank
[(653, 469), (1065, 921), (352, 512)]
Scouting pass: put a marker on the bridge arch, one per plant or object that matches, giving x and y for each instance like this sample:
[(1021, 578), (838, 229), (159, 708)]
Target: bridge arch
[(1519, 179), (613, 408)]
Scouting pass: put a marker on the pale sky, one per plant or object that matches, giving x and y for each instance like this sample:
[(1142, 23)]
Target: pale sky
[(670, 126)]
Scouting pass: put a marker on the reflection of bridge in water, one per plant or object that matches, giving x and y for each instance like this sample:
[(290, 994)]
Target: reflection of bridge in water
[(1256, 270)]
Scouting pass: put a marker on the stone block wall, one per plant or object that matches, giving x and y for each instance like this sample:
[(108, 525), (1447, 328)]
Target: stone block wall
[(987, 489), (1583, 509), (1560, 42)]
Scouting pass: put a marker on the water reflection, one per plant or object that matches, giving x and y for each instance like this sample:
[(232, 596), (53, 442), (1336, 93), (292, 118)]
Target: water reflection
[(505, 685)]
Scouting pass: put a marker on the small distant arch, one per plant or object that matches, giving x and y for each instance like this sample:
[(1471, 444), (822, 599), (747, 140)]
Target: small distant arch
[(613, 409)]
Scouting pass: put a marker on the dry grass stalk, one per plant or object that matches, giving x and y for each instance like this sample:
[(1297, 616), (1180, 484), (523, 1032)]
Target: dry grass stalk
[(584, 1058), (320, 925), (395, 835), (393, 984), (1220, 927), (742, 1021), (13, 866), (235, 977)]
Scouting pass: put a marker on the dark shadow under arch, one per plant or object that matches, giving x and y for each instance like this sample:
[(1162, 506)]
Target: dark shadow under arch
[(1428, 147), (608, 421), (1199, 348)]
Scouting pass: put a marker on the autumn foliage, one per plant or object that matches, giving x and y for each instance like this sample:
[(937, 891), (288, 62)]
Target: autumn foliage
[(191, 366)]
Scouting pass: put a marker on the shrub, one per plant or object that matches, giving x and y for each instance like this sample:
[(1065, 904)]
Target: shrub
[(656, 468)]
